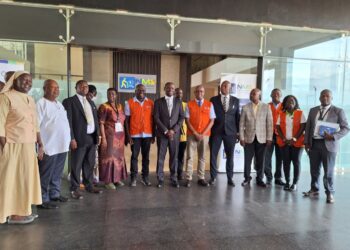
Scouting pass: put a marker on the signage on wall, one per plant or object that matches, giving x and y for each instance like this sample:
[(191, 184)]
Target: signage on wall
[(6, 65), (128, 82)]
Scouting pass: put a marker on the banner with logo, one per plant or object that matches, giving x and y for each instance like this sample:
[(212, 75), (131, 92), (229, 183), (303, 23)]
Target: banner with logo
[(128, 82), (6, 65), (241, 85)]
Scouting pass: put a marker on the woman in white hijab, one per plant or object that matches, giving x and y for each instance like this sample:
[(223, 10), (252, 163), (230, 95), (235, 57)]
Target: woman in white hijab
[(19, 133)]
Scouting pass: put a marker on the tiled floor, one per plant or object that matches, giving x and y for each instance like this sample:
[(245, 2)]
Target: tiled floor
[(219, 217)]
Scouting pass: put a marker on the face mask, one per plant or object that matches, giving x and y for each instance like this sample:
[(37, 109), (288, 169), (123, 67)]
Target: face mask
[(94, 98)]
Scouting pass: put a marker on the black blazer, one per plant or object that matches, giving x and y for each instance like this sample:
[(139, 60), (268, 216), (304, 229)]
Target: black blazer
[(77, 120), (163, 121), (225, 123)]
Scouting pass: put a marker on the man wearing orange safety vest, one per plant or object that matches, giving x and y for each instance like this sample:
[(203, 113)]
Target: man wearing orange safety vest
[(276, 107), (200, 116), (139, 119)]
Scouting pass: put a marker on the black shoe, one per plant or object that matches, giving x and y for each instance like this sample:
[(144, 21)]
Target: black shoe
[(203, 183), (279, 183), (286, 187), (246, 181), (268, 183), (310, 193), (188, 184), (146, 182), (133, 182), (230, 183), (330, 198), (76, 195), (261, 184), (47, 205), (175, 184), (94, 190), (293, 187), (212, 182), (160, 184), (60, 199)]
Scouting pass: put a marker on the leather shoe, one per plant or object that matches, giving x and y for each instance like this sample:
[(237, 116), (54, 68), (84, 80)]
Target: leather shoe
[(160, 184), (76, 195), (94, 190), (175, 184), (279, 183), (47, 205), (246, 181), (203, 183), (188, 184), (330, 198), (60, 199), (261, 184), (310, 193), (286, 187), (230, 183), (293, 187), (133, 182), (146, 182), (212, 182)]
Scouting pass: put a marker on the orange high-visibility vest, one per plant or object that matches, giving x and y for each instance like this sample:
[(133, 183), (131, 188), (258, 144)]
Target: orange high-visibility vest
[(199, 116), (275, 111), (296, 125), (141, 117)]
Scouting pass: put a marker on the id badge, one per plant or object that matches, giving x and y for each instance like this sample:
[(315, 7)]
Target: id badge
[(119, 127)]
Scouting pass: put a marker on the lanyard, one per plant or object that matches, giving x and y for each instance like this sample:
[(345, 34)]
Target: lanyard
[(322, 116), (115, 110)]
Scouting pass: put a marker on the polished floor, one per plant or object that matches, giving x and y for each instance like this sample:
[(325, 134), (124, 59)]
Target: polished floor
[(219, 217)]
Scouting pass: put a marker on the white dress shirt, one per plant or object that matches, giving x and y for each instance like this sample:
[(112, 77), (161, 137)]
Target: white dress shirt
[(289, 124), (54, 126), (212, 111), (227, 101), (88, 108), (170, 103)]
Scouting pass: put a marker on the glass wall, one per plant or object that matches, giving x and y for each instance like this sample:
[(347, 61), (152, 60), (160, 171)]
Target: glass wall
[(305, 65)]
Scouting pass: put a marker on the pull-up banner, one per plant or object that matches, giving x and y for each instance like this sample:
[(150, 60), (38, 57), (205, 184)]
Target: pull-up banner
[(128, 82)]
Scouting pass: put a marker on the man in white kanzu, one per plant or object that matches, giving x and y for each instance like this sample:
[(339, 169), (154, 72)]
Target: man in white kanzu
[(55, 132)]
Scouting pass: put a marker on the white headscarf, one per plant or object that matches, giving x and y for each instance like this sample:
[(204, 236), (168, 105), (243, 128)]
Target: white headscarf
[(9, 83)]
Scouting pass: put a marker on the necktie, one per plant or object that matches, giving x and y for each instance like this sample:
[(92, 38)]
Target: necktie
[(199, 103), (170, 106), (322, 113), (224, 104), (87, 111)]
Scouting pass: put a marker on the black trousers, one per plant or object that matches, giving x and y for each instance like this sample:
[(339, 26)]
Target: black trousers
[(83, 158), (143, 145), (181, 157), (320, 155), (258, 150), (229, 147), (291, 154), (268, 161), (163, 143)]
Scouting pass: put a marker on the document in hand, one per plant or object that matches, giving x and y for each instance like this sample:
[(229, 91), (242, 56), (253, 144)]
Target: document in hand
[(328, 127)]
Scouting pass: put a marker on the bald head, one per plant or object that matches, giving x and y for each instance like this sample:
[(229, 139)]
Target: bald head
[(51, 89), (199, 92), (255, 95), (326, 97)]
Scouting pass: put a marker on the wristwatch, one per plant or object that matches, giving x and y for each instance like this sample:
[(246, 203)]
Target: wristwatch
[(294, 139)]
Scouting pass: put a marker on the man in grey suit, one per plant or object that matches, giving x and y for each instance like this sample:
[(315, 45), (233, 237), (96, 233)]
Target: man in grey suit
[(323, 148), (168, 118), (255, 132)]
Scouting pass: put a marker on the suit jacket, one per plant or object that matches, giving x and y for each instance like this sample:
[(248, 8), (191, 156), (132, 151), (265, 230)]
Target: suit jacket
[(335, 115), (163, 121), (260, 126), (225, 123), (77, 120)]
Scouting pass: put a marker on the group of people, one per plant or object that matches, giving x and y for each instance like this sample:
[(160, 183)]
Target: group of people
[(35, 139)]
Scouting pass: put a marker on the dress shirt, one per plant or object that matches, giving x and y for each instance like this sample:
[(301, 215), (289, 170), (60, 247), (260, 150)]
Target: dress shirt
[(227, 101), (325, 115), (212, 111), (88, 109), (128, 113), (255, 108), (54, 126), (170, 103), (289, 124)]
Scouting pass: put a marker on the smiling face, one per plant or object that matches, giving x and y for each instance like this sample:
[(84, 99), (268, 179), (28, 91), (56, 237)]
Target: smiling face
[(276, 96), (51, 90), (255, 95), (23, 83), (199, 93), (225, 88), (290, 103), (82, 88), (140, 92), (169, 89), (112, 96)]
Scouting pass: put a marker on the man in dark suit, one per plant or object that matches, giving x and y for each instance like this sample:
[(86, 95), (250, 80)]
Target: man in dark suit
[(225, 129), (168, 118), (323, 148), (83, 122)]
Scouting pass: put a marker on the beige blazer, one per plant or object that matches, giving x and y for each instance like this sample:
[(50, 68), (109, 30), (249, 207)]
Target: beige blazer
[(260, 126)]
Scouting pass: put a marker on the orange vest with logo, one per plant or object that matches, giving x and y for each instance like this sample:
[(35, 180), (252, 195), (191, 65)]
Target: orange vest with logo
[(275, 111), (199, 116), (141, 117), (296, 126)]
